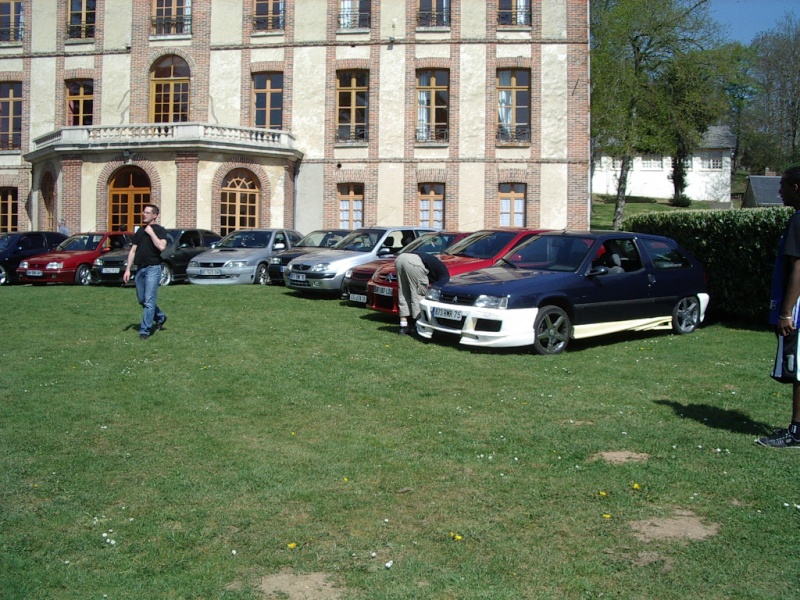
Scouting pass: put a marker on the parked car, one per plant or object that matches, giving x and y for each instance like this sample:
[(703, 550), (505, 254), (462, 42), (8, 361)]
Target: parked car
[(16, 246), (324, 271), (562, 286), (241, 257), (321, 238), (354, 287), (475, 251), (71, 261), (182, 246)]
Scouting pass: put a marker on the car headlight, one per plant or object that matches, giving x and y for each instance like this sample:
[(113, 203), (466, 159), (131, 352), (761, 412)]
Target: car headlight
[(193, 263), (484, 301), (320, 267), (236, 264), (55, 265), (275, 260), (349, 273), (98, 262), (23, 264), (434, 294)]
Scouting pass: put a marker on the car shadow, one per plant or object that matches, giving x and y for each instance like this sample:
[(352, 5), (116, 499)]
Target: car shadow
[(734, 421)]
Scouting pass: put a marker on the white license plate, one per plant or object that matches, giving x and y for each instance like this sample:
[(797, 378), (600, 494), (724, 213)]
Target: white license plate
[(297, 277), (446, 313), (109, 270), (32, 273), (383, 291), (358, 298), (210, 272)]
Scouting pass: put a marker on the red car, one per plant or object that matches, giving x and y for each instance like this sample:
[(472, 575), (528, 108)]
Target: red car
[(354, 287), (71, 261), (476, 251)]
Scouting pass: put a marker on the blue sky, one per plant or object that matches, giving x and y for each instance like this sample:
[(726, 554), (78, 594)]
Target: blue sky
[(747, 18)]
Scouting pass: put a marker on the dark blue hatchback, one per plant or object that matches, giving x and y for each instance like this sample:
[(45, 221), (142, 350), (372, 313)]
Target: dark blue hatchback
[(570, 285)]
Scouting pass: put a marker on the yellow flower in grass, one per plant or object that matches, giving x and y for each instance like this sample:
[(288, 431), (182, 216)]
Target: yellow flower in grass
[(291, 545), (602, 494), (455, 536), (606, 516), (636, 486)]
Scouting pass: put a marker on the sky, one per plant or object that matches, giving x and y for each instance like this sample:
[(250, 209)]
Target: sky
[(745, 19)]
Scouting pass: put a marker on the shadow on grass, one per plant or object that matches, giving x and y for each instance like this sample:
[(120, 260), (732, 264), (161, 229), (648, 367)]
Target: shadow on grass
[(734, 421)]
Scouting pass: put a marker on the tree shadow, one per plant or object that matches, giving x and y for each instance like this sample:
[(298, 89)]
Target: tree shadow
[(734, 421)]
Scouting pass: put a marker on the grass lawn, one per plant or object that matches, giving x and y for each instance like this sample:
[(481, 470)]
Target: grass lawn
[(603, 209), (264, 433)]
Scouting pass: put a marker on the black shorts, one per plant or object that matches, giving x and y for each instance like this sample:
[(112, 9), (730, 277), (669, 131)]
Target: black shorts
[(785, 368)]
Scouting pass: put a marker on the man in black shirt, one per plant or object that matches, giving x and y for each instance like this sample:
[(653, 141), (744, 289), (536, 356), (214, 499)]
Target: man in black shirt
[(149, 242)]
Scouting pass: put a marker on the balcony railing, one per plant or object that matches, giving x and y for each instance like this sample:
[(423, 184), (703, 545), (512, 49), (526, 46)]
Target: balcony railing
[(434, 18), (436, 134), (353, 19), (352, 134), (268, 22), (514, 134), (10, 141), (11, 34), (171, 26), (164, 136), (80, 31), (506, 18)]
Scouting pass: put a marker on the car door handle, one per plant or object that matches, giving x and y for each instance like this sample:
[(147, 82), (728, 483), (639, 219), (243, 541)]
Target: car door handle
[(651, 278)]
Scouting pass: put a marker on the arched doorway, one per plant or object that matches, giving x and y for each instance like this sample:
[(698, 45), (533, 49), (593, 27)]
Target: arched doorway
[(128, 192), (239, 202)]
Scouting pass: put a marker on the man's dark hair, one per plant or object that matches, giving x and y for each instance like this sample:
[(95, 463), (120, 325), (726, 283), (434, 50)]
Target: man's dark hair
[(152, 207), (792, 175)]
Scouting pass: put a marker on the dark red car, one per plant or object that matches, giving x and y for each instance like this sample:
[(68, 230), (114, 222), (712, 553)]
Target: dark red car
[(476, 251), (354, 286), (71, 261)]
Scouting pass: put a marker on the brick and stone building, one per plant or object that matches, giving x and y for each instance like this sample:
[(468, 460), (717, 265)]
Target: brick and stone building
[(458, 114)]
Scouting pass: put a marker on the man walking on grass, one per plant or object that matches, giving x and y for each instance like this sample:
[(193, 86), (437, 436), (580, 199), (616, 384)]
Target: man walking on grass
[(784, 311), (149, 242)]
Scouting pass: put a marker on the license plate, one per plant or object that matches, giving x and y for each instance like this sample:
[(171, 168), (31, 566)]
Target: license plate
[(297, 277), (31, 273), (210, 272), (109, 270), (383, 291), (446, 313), (358, 298)]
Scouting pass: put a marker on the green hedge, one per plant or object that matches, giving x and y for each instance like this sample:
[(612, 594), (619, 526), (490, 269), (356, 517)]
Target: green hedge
[(737, 249)]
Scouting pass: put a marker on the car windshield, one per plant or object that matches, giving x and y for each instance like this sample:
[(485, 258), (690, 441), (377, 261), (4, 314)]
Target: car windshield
[(359, 241), (482, 244), (430, 243), (171, 233), (5, 241), (246, 239), (550, 253), (81, 241), (320, 239)]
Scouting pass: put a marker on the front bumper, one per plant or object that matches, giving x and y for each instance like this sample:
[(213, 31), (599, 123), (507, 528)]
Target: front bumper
[(383, 298), (221, 275), (45, 276), (485, 327), (314, 282)]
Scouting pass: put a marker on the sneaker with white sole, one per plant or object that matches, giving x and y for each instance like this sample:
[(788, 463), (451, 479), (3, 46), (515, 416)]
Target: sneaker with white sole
[(780, 439)]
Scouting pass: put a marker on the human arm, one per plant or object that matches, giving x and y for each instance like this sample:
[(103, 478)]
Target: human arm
[(159, 242), (790, 297), (126, 276)]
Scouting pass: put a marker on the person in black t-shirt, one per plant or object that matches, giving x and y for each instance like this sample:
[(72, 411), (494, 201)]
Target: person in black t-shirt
[(149, 242)]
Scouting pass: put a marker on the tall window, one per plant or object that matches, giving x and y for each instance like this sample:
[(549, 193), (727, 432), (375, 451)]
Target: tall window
[(512, 204), (433, 98), (351, 205), (431, 205), (169, 91), (514, 12), (652, 162), (239, 203), (434, 13), (128, 192), (11, 21), (81, 19), (354, 14), (10, 115), (80, 102), (352, 106), (711, 160), (269, 15), (513, 105), (8, 209), (268, 100), (172, 17)]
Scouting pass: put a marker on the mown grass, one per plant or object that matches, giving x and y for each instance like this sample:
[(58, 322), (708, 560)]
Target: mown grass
[(303, 433), (603, 207)]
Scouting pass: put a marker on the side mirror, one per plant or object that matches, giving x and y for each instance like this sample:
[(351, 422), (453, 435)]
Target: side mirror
[(279, 246), (594, 272), (385, 250)]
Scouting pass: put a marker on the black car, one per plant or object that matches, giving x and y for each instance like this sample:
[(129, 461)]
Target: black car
[(16, 246), (321, 238), (182, 246)]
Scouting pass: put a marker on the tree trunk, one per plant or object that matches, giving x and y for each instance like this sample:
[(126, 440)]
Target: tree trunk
[(678, 179), (622, 185)]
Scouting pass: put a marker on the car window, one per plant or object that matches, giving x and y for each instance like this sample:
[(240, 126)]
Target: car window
[(551, 253), (209, 237), (430, 243), (31, 242), (665, 256), (280, 238), (394, 242), (190, 239), (294, 237), (359, 241), (115, 242), (81, 241), (482, 244), (246, 239), (618, 256)]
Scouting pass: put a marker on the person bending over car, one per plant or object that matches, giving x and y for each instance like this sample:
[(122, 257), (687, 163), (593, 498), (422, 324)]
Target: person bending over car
[(415, 272)]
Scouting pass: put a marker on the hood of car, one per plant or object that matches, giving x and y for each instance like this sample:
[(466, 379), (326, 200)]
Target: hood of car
[(463, 264), (331, 256), (506, 281), (374, 265), (115, 256), (233, 253), (66, 256)]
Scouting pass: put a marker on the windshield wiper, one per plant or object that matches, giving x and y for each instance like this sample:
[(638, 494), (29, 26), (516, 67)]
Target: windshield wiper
[(508, 262)]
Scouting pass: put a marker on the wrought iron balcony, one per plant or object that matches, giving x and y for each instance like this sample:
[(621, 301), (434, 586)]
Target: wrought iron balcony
[(352, 134), (512, 134), (268, 22), (171, 26), (80, 31), (520, 17), (353, 19), (11, 34), (433, 18), (436, 134)]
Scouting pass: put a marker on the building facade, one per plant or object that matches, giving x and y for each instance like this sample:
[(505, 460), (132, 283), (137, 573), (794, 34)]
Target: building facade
[(457, 114)]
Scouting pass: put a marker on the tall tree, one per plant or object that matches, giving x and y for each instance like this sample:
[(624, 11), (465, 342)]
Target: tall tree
[(633, 48)]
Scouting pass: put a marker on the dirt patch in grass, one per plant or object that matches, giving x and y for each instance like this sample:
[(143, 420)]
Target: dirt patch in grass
[(682, 525), (288, 585), (621, 457)]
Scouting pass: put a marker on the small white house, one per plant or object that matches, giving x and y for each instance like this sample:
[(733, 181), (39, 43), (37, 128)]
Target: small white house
[(708, 171)]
